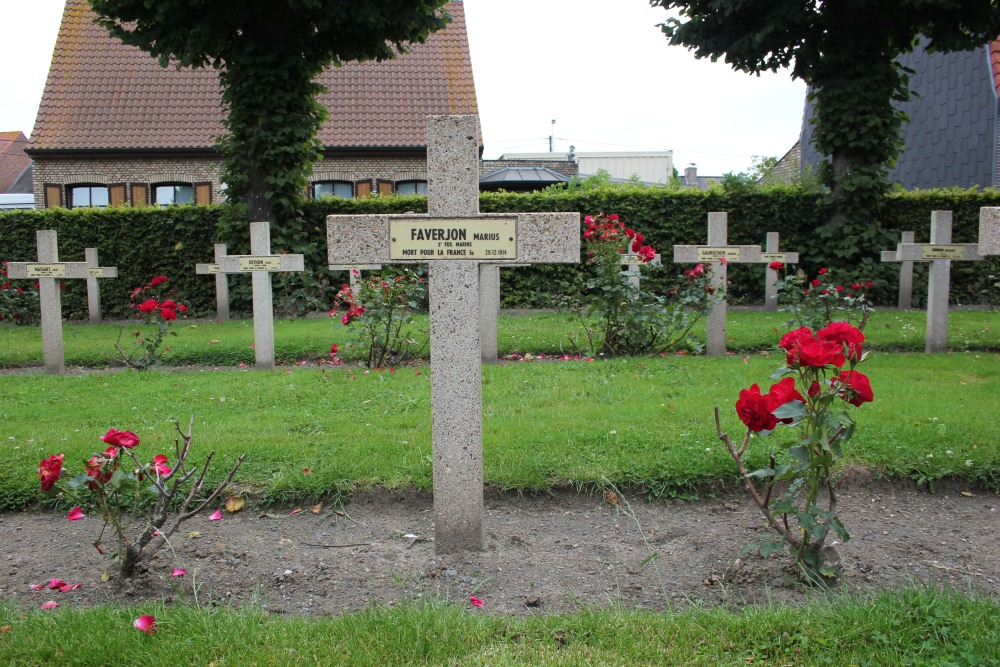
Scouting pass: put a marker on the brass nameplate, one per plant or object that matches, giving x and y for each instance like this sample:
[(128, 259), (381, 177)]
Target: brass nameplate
[(211, 269), (768, 257), (942, 252), (715, 254), (452, 238), (46, 270), (96, 273), (260, 264)]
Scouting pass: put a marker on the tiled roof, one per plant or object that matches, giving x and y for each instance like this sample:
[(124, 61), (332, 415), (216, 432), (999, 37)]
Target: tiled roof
[(13, 160), (102, 94)]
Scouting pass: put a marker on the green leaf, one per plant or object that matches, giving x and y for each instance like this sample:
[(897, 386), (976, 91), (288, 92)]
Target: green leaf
[(770, 547), (794, 410), (800, 453)]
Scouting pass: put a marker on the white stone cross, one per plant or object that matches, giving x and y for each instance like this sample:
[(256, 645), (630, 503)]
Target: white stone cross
[(634, 263), (905, 300), (941, 251), (260, 263), (456, 241), (221, 283), (989, 231), (47, 270), (770, 255), (715, 250), (93, 289)]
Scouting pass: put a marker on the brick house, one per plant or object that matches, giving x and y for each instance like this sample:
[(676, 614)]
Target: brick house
[(114, 128), (15, 165), (953, 137)]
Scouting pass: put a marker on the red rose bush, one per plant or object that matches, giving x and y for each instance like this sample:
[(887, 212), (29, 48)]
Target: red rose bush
[(797, 493), (155, 305), (116, 478)]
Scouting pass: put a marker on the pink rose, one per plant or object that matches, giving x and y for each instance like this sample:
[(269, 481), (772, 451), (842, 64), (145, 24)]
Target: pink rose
[(126, 439)]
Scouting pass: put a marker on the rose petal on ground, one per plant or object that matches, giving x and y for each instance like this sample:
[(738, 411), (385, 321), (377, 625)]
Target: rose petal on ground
[(56, 583), (75, 514), (216, 516), (36, 587), (69, 587), (51, 604), (145, 623), (475, 602), (178, 572), (296, 510)]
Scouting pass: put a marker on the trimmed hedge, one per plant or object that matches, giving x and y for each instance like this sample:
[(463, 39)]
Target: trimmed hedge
[(146, 242)]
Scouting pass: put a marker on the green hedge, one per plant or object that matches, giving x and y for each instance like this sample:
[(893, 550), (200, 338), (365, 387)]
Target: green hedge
[(170, 241)]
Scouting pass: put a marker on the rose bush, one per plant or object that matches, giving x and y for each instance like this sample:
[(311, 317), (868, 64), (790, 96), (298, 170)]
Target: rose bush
[(156, 306), (817, 302), (380, 311), (115, 479), (797, 493), (19, 304), (619, 318)]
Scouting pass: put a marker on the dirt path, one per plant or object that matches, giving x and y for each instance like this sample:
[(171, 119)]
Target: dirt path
[(544, 553)]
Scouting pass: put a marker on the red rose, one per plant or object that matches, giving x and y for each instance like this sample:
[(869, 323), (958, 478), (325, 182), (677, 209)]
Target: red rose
[(169, 303), (753, 410), (158, 280), (855, 286), (781, 393), (776, 266), (855, 387), (181, 307), (168, 314), (844, 333), (148, 306), (816, 283), (790, 344), (126, 439), (821, 271), (817, 353), (49, 470)]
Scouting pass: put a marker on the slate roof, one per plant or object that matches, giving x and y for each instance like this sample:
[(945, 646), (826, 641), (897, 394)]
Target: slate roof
[(104, 95), (524, 175), (13, 160)]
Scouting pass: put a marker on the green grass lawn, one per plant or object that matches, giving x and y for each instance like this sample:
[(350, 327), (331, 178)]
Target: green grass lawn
[(230, 343), (907, 627)]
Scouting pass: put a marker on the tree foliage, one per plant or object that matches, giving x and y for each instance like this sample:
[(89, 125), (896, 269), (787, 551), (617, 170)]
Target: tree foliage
[(268, 53), (846, 51)]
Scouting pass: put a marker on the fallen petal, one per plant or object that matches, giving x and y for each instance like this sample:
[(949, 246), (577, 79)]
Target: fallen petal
[(296, 510), (75, 514), (475, 602), (56, 583), (51, 604), (145, 623), (216, 516), (178, 572), (69, 587), (36, 587)]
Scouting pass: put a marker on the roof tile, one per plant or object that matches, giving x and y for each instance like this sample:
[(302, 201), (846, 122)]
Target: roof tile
[(102, 94)]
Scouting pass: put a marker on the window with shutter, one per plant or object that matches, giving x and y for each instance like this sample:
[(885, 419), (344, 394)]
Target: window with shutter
[(116, 194), (202, 194), (53, 195), (363, 189), (385, 188), (140, 195)]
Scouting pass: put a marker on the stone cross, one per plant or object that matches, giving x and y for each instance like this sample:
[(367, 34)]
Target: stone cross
[(989, 231), (260, 263), (769, 255), (221, 283), (632, 261), (905, 301), (457, 242), (941, 251), (93, 289), (47, 270), (354, 270), (712, 253)]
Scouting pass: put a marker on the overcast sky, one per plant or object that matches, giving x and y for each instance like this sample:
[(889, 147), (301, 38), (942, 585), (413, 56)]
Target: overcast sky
[(600, 68)]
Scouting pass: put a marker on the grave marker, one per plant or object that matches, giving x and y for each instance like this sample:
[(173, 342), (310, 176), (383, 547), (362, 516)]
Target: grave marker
[(771, 254), (47, 270), (941, 252), (93, 289), (905, 301), (715, 250), (989, 231), (351, 268), (260, 263), (457, 242), (221, 283), (632, 261)]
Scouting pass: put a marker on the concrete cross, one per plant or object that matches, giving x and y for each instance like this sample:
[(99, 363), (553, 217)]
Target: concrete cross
[(221, 283), (989, 231), (941, 252), (632, 261), (458, 243), (47, 270), (770, 255), (93, 289), (260, 263), (716, 250), (905, 301)]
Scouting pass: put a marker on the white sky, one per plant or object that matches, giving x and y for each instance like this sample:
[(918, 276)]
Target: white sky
[(600, 68)]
